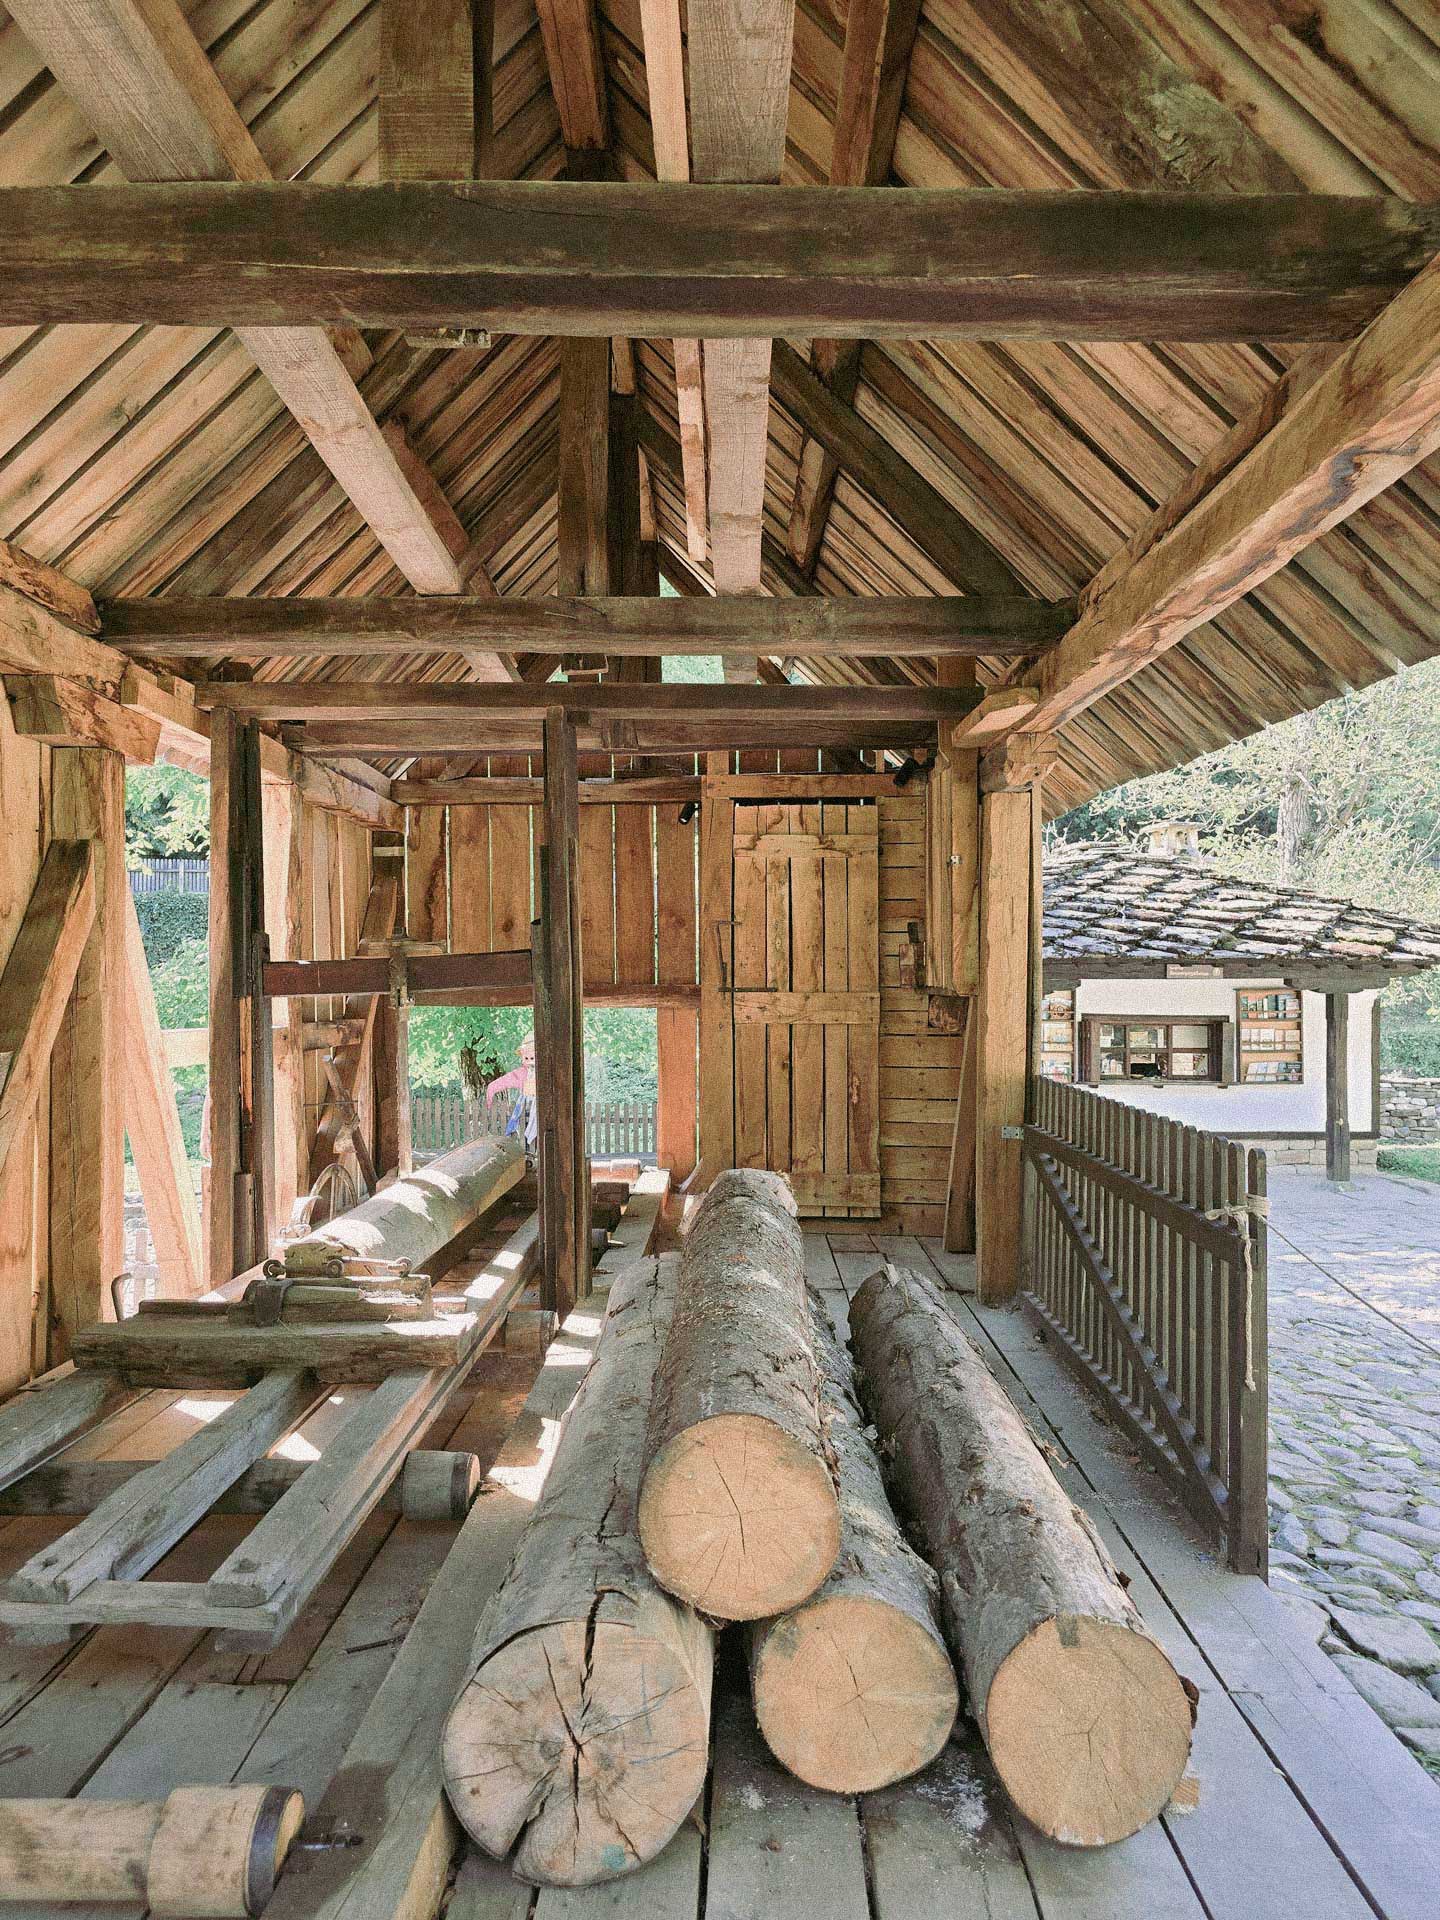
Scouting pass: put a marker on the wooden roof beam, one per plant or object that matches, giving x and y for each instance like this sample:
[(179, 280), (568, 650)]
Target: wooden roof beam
[(740, 54), (571, 35), (142, 79), (879, 36), (920, 510), (636, 626), (642, 259), (665, 87), (1335, 430)]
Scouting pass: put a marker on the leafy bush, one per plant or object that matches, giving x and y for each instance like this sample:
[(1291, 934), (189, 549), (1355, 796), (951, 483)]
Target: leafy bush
[(1410, 1046), (1419, 1163), (169, 921), (182, 985), (167, 811), (466, 1046)]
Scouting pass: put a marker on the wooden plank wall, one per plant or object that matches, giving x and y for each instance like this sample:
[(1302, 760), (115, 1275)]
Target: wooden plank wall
[(919, 1070)]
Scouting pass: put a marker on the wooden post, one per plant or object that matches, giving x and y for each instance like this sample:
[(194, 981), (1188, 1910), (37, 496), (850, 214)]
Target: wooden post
[(259, 1123), (1009, 787), (584, 546), (87, 1128), (224, 1091), (1337, 1087), (394, 1148), (560, 1031)]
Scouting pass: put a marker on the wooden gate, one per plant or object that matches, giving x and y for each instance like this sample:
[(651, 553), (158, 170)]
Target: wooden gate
[(804, 999)]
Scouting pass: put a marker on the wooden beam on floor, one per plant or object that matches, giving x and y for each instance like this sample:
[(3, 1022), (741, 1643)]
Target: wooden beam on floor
[(740, 58), (919, 509), (665, 86), (37, 978), (641, 259), (1335, 430), (152, 1121), (879, 35), (135, 69), (990, 624)]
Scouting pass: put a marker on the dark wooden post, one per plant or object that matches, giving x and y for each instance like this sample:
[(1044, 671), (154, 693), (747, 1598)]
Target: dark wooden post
[(394, 1151), (560, 1031), (1337, 1087), (242, 1048)]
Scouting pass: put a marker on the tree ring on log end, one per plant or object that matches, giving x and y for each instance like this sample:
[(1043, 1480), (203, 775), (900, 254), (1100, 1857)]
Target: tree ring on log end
[(852, 1694), (739, 1518), (1089, 1729), (581, 1746)]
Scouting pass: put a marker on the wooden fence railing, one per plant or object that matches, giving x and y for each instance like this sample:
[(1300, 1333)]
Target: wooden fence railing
[(617, 1128), (1147, 1266)]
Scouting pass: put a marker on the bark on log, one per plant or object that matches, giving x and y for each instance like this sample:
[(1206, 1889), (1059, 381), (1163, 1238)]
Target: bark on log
[(1086, 1720), (580, 1740), (416, 1218), (738, 1513), (854, 1689)]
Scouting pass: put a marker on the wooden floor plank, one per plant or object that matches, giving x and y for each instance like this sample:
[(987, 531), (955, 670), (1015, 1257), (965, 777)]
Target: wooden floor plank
[(777, 1848)]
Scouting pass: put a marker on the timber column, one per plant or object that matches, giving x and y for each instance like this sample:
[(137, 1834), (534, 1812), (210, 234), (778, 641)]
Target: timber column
[(1005, 1004), (560, 1031)]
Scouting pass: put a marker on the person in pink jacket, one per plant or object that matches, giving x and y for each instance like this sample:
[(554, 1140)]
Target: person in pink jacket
[(522, 1080)]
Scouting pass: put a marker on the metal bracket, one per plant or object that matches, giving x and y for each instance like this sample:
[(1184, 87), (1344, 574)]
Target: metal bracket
[(1012, 1133)]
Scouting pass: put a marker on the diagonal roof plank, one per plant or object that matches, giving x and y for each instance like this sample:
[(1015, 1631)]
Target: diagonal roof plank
[(1333, 431), (142, 78), (879, 35)]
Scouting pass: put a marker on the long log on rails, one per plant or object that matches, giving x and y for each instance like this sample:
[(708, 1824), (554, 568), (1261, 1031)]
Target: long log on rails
[(1087, 1722), (416, 1218), (644, 259), (881, 625), (854, 1689), (738, 1513), (580, 1740)]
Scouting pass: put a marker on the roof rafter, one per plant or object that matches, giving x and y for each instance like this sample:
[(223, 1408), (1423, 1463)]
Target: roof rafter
[(1333, 432), (136, 70)]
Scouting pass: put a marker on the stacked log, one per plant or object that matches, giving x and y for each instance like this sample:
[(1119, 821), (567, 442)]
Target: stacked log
[(1086, 1720), (580, 1740), (738, 1510), (854, 1689)]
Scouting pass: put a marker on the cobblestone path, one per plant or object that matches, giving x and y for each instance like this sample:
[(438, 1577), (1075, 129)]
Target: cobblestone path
[(1355, 1431)]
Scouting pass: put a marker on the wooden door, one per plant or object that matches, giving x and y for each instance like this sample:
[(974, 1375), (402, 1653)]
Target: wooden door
[(804, 1000)]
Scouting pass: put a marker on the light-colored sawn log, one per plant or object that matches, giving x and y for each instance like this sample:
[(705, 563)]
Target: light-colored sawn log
[(415, 1218), (580, 1740), (738, 1513), (1087, 1722), (854, 1689)]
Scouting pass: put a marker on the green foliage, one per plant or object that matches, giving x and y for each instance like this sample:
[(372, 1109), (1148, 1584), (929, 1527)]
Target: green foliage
[(1420, 1163), (169, 921), (182, 985), (1344, 802), (466, 1046), (167, 811), (692, 669)]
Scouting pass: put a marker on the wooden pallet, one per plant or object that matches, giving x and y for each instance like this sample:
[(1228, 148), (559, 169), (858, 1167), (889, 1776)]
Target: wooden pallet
[(94, 1573)]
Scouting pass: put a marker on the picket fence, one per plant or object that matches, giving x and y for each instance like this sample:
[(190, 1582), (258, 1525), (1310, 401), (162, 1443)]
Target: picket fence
[(617, 1128)]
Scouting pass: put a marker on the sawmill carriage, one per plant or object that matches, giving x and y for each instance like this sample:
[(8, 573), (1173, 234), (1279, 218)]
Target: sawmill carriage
[(387, 394)]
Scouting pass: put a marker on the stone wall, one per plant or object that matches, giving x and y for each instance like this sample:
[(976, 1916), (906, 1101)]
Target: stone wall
[(1311, 1153), (1409, 1110)]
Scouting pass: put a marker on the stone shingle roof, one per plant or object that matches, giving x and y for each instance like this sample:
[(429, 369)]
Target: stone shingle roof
[(1108, 903)]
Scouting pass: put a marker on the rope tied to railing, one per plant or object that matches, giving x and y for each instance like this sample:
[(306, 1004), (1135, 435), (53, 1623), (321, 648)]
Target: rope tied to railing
[(1255, 1206)]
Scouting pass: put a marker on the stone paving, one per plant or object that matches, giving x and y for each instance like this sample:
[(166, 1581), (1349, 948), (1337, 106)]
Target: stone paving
[(1355, 1431)]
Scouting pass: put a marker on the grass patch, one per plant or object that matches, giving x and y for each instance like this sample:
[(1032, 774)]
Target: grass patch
[(1420, 1163)]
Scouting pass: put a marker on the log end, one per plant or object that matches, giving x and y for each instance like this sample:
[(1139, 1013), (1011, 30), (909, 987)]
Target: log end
[(739, 1518), (852, 1694), (577, 1749), (1088, 1725)]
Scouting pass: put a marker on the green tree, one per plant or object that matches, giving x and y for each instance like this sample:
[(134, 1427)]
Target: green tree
[(167, 812)]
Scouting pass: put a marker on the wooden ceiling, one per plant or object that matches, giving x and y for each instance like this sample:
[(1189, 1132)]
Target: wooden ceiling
[(152, 460)]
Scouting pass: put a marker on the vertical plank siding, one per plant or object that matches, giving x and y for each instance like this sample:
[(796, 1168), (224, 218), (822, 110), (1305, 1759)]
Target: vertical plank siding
[(1148, 1269)]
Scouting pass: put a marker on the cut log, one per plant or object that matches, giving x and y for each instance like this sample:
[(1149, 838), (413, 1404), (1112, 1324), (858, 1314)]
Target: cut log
[(738, 1513), (854, 1689), (580, 1740), (1087, 1722), (416, 1218)]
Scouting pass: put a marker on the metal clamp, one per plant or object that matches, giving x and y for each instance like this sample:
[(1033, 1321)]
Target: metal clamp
[(265, 1295)]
